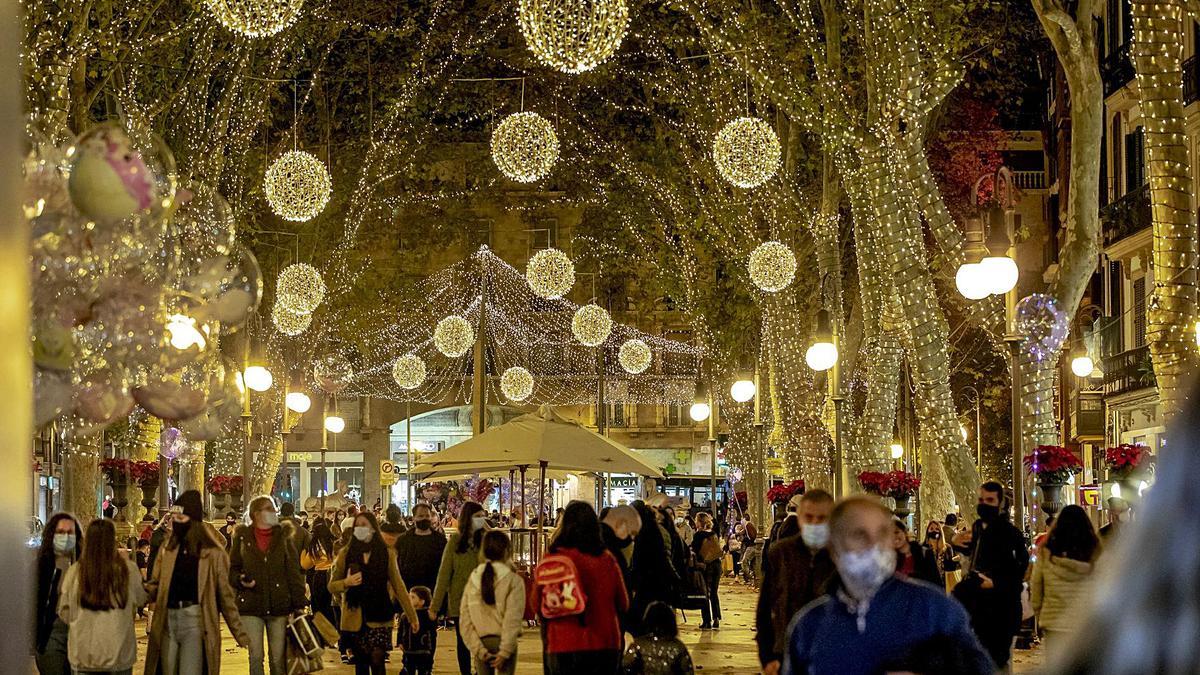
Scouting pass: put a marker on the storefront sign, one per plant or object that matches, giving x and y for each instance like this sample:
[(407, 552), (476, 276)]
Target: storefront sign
[(623, 482), (1089, 495), (299, 457), (388, 472)]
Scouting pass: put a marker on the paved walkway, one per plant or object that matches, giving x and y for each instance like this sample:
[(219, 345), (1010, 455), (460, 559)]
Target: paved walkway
[(728, 650)]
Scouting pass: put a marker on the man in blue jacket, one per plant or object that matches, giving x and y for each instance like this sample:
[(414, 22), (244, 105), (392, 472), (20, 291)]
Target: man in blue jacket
[(870, 617)]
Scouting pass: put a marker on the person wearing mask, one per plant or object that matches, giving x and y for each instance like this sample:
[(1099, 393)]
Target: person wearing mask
[(317, 562), (619, 526), (654, 575), (707, 549), (459, 560), (799, 571), (683, 528), (493, 606), (991, 590), (190, 589), (287, 514), (912, 559), (100, 596), (1062, 576), (366, 575), (391, 528), (659, 651), (231, 523), (591, 642), (872, 616), (420, 549), (61, 540), (936, 550), (264, 569)]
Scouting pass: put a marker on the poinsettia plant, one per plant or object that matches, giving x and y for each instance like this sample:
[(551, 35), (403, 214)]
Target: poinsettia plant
[(782, 493), (146, 473), (224, 485), (872, 481), (899, 484), (119, 470), (1053, 464), (1124, 459)]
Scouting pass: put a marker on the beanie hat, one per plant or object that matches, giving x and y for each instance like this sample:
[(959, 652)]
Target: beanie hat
[(191, 504)]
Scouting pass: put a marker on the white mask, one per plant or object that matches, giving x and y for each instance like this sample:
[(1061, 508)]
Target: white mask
[(815, 535), (363, 533), (269, 518), (863, 572), (478, 522)]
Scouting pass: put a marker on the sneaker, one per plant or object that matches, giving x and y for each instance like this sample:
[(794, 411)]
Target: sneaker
[(716, 624)]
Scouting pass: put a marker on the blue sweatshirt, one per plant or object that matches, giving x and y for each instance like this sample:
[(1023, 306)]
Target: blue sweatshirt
[(830, 638)]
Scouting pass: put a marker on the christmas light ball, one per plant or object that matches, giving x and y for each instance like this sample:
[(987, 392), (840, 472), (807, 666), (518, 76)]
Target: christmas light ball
[(288, 322), (333, 372), (634, 356), (573, 36), (747, 152), (550, 274), (297, 186), (255, 18), (516, 383), (299, 288), (409, 371), (525, 147), (772, 266), (591, 325), (454, 336)]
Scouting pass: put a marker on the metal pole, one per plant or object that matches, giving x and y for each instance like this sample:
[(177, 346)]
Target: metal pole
[(978, 437), (248, 422), (541, 533), (324, 449), (408, 451), (524, 519), (1018, 442), (712, 446), (479, 387)]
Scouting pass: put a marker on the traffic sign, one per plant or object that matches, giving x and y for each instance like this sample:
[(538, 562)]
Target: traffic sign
[(388, 471)]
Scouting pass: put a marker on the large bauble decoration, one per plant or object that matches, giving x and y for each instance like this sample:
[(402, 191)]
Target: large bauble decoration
[(635, 356), (297, 186), (573, 36), (1043, 325), (173, 397), (516, 383), (591, 325), (525, 147), (255, 18), (747, 152), (288, 322), (550, 274), (453, 336), (772, 266), (409, 371), (102, 397), (203, 225), (53, 345), (114, 175), (300, 288), (229, 288), (51, 395), (333, 372)]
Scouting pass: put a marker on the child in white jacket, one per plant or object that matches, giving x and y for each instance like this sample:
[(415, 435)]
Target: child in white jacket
[(493, 606)]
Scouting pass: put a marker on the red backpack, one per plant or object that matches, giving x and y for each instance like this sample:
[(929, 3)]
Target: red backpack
[(557, 580)]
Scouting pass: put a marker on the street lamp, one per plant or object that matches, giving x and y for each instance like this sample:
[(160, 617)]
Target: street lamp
[(743, 389), (335, 424), (1081, 363), (257, 378), (987, 269), (699, 411), (298, 402), (823, 353), (897, 450)]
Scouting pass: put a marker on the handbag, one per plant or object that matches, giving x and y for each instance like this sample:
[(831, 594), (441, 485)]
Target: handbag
[(299, 663), (303, 636)]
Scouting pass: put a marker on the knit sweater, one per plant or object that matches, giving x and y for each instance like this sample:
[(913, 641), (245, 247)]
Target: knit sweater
[(1057, 589), (477, 619)]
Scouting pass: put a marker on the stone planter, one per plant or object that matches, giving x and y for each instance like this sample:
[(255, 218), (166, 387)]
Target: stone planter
[(902, 509), (235, 501), (120, 500), (149, 496), (220, 505), (1052, 501)]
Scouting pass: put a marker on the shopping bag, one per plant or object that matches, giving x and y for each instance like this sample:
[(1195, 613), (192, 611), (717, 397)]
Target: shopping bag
[(727, 564), (302, 634), (299, 663), (325, 629)]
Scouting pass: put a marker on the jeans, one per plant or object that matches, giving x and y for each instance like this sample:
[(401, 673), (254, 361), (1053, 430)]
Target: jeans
[(595, 662), (464, 654), (53, 659), (127, 671), (183, 645), (711, 610), (275, 628), (750, 563), (492, 644)]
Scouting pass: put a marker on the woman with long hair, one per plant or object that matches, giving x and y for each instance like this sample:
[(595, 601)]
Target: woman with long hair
[(366, 575), (706, 544), (493, 606), (654, 576), (317, 562), (100, 596), (459, 560), (589, 643), (191, 592), (1061, 582), (61, 540)]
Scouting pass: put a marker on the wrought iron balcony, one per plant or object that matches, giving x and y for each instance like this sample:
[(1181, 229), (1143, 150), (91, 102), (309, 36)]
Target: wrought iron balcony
[(1126, 216), (1116, 70), (1128, 371)]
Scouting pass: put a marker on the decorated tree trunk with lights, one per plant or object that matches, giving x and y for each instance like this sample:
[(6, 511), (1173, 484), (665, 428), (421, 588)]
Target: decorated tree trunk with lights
[(1158, 39)]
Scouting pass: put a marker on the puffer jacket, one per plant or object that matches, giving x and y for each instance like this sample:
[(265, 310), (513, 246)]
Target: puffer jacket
[(478, 619), (278, 580), (1058, 588)]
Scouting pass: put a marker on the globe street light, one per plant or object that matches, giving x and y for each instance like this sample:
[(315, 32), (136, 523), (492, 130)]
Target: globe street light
[(1082, 365), (335, 424), (699, 411), (823, 353), (743, 389), (298, 402), (897, 451), (257, 378)]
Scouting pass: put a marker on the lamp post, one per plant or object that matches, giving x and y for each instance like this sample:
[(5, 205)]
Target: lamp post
[(254, 378), (700, 411), (974, 399)]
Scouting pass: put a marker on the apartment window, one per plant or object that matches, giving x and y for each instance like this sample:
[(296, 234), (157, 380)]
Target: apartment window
[(618, 415), (1116, 157), (1139, 312), (1135, 161), (677, 415), (481, 233), (543, 235), (1120, 20)]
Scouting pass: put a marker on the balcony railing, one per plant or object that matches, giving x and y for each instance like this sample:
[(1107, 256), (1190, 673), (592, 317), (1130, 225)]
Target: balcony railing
[(1116, 70), (1191, 80), (1128, 371), (1030, 180), (1126, 216)]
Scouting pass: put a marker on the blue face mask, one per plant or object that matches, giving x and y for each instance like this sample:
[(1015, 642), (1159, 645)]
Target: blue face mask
[(64, 543)]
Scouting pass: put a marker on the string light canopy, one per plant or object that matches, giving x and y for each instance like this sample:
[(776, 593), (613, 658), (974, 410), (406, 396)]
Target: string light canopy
[(573, 36), (635, 356), (300, 288), (297, 186), (591, 325), (255, 18), (454, 336), (747, 152), (517, 383), (525, 147), (772, 266), (550, 274), (288, 322), (409, 371)]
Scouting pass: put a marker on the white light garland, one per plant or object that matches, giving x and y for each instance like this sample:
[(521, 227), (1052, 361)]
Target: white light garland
[(550, 274), (300, 288), (517, 383), (747, 152), (772, 266), (635, 356), (591, 325), (288, 322), (255, 18), (297, 186), (409, 371), (454, 336), (525, 147), (573, 36)]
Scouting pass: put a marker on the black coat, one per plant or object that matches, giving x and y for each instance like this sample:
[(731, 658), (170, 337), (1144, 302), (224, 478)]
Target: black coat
[(999, 552), (925, 564), (278, 581), (48, 578)]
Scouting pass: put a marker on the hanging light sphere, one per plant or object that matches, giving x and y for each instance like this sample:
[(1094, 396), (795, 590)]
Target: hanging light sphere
[(573, 36), (550, 274), (288, 322), (525, 147), (333, 372), (409, 371), (453, 336), (255, 18), (1082, 366), (591, 325), (299, 288), (699, 412), (821, 356), (516, 383), (999, 273), (747, 152), (743, 390), (772, 266), (635, 356), (297, 186)]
